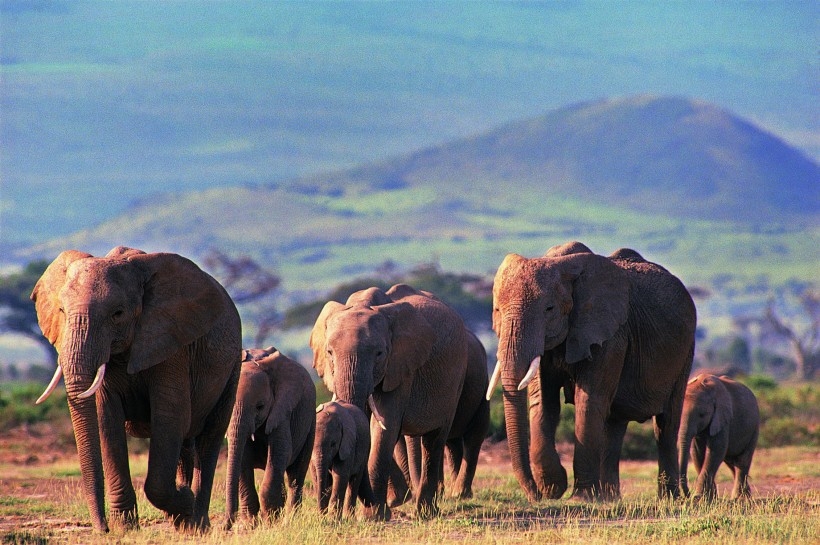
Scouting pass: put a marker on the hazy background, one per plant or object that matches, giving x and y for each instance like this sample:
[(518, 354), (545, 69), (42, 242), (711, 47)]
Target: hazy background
[(327, 138), (104, 103)]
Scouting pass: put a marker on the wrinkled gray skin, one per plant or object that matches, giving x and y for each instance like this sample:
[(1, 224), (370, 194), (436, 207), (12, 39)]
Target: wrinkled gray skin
[(720, 423), (467, 434), (340, 454), (410, 354), (169, 338), (272, 428), (617, 334)]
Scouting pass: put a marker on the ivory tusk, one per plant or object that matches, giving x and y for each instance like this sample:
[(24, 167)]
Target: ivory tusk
[(376, 414), (494, 379), (530, 373), (253, 437), (98, 380), (51, 385), (333, 398)]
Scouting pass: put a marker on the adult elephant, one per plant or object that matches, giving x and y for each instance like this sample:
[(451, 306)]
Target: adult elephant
[(149, 344), (618, 334), (403, 354), (470, 426)]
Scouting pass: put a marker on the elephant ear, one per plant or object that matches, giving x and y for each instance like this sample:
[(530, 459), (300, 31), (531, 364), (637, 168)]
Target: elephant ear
[(318, 340), (723, 411), (600, 297), (180, 304), (411, 343), (347, 443), (46, 295)]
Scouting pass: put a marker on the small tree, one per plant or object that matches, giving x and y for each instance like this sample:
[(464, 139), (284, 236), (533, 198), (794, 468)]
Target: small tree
[(802, 333), (252, 288), (17, 313)]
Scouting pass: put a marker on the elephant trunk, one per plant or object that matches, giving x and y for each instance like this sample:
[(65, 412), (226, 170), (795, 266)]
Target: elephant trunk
[(685, 437), (516, 367), (353, 386), (239, 432), (324, 482), (80, 358)]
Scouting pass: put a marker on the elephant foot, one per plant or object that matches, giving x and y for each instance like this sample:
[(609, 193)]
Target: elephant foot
[(395, 498), (190, 525), (124, 520), (586, 494), (377, 513)]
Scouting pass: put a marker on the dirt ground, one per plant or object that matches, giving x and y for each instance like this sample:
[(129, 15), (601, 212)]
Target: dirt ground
[(32, 448)]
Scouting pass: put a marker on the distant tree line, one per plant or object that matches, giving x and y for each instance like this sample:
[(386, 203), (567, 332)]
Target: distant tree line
[(256, 291)]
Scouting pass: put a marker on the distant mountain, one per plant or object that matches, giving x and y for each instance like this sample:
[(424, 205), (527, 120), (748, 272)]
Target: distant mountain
[(668, 155), (655, 173)]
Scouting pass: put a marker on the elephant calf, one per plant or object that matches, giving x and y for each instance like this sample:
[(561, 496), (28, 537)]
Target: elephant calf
[(340, 454), (723, 418), (272, 428)]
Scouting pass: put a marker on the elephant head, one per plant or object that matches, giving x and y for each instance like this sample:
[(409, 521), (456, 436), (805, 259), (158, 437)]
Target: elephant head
[(131, 306), (359, 347), (707, 408), (557, 306)]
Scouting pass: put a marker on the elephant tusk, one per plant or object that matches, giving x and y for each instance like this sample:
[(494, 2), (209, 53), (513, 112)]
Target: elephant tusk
[(376, 414), (98, 380), (58, 374), (253, 437), (494, 379), (333, 399), (530, 373)]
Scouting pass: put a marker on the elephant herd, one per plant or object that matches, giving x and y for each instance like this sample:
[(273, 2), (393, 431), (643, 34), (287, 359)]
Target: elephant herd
[(150, 345)]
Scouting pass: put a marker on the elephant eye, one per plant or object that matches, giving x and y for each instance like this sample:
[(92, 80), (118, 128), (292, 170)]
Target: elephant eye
[(550, 308), (260, 406), (118, 315)]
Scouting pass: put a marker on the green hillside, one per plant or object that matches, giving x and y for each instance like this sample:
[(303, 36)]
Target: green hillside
[(648, 173)]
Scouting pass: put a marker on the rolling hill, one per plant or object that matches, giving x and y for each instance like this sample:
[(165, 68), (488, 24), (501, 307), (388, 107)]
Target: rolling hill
[(684, 182)]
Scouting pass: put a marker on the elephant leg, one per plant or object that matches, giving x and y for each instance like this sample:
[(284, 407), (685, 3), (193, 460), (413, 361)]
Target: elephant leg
[(715, 452), (590, 435), (114, 445), (432, 462), (272, 492), (207, 451), (454, 455), (337, 494), (298, 471), (610, 468), (545, 411), (379, 464), (248, 498), (353, 485), (666, 436), (400, 475)]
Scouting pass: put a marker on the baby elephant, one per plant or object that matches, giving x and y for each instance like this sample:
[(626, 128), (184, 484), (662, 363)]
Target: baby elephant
[(340, 455), (272, 428), (723, 418)]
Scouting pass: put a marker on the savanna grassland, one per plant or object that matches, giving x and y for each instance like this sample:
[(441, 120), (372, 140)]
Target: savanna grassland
[(41, 502)]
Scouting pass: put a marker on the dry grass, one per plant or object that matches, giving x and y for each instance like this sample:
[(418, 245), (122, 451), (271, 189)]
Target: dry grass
[(41, 502)]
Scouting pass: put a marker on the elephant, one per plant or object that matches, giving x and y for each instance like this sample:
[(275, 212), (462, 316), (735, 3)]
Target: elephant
[(402, 354), (617, 334), (720, 423), (340, 453), (467, 434), (272, 427), (148, 344)]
